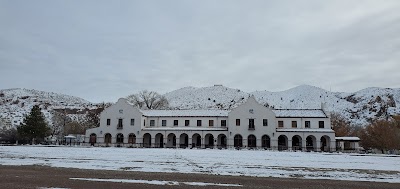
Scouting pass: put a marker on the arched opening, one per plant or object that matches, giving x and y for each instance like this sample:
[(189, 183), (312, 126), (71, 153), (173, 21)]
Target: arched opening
[(221, 141), (196, 140), (209, 141), (171, 143), (238, 141), (265, 142), (92, 139), (147, 140), (325, 143), (132, 138), (296, 142), (311, 144), (184, 140), (107, 138), (251, 141), (159, 140), (120, 138), (282, 142)]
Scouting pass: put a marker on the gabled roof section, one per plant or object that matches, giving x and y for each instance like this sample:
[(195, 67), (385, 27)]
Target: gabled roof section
[(309, 113), (185, 113)]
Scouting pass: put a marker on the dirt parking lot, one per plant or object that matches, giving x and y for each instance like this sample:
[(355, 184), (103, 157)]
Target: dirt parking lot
[(20, 177)]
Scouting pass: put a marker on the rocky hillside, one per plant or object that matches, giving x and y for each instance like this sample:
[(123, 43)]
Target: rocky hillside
[(15, 103), (360, 107)]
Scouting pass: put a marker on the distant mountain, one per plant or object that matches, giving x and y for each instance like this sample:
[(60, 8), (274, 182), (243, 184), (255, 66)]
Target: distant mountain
[(359, 107), (15, 103)]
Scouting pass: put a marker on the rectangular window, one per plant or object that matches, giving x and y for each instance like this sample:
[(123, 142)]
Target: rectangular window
[(132, 122), (119, 124), (152, 123), (199, 123), (280, 123), (307, 124), (223, 123), (164, 123), (265, 122), (294, 124), (251, 124), (187, 122), (237, 122), (175, 122), (108, 121), (211, 123), (321, 124)]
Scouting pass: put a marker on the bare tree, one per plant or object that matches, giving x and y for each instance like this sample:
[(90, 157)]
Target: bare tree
[(148, 100), (340, 125), (381, 134), (75, 127), (93, 115), (59, 119)]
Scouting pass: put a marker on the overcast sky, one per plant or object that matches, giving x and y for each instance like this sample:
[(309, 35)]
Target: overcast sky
[(103, 50)]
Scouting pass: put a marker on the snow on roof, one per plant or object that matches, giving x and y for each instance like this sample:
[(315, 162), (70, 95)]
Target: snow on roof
[(306, 130), (348, 138), (185, 113), (299, 113), (224, 113), (186, 129)]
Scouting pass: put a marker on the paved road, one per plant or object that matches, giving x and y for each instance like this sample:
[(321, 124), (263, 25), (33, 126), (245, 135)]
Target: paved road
[(21, 177)]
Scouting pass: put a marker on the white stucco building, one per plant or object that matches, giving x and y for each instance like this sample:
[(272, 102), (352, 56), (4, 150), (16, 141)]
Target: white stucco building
[(250, 125)]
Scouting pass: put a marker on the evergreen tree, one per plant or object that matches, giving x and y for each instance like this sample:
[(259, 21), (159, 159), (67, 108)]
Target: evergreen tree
[(34, 126)]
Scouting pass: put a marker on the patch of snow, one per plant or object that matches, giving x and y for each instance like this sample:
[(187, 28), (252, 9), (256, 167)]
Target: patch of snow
[(305, 130), (299, 113), (185, 129), (155, 182), (180, 113), (335, 166)]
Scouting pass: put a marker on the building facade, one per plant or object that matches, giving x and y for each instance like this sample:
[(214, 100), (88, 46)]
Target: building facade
[(250, 125)]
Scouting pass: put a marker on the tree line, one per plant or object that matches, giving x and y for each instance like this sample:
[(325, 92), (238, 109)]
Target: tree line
[(380, 134)]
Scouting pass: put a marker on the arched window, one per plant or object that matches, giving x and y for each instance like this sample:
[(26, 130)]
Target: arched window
[(92, 139), (311, 144), (107, 138), (296, 142), (238, 141), (132, 138), (282, 142), (265, 141), (251, 141), (147, 140)]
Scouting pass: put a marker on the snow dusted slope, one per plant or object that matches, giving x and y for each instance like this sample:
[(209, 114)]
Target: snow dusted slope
[(15, 103), (216, 97), (359, 107)]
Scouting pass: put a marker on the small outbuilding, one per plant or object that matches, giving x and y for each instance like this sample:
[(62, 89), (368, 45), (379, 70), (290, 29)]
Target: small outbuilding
[(348, 144)]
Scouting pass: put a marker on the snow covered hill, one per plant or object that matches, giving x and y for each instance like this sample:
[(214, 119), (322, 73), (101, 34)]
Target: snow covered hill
[(359, 107), (15, 103)]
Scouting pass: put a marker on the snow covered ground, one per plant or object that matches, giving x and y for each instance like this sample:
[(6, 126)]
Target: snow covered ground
[(336, 166)]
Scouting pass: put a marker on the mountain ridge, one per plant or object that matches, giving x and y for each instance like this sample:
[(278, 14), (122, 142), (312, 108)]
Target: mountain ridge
[(359, 107)]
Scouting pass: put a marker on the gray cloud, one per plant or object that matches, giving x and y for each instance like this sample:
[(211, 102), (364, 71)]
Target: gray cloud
[(101, 50)]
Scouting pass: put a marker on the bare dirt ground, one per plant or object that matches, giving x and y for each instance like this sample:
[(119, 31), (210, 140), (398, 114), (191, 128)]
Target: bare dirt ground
[(21, 177)]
